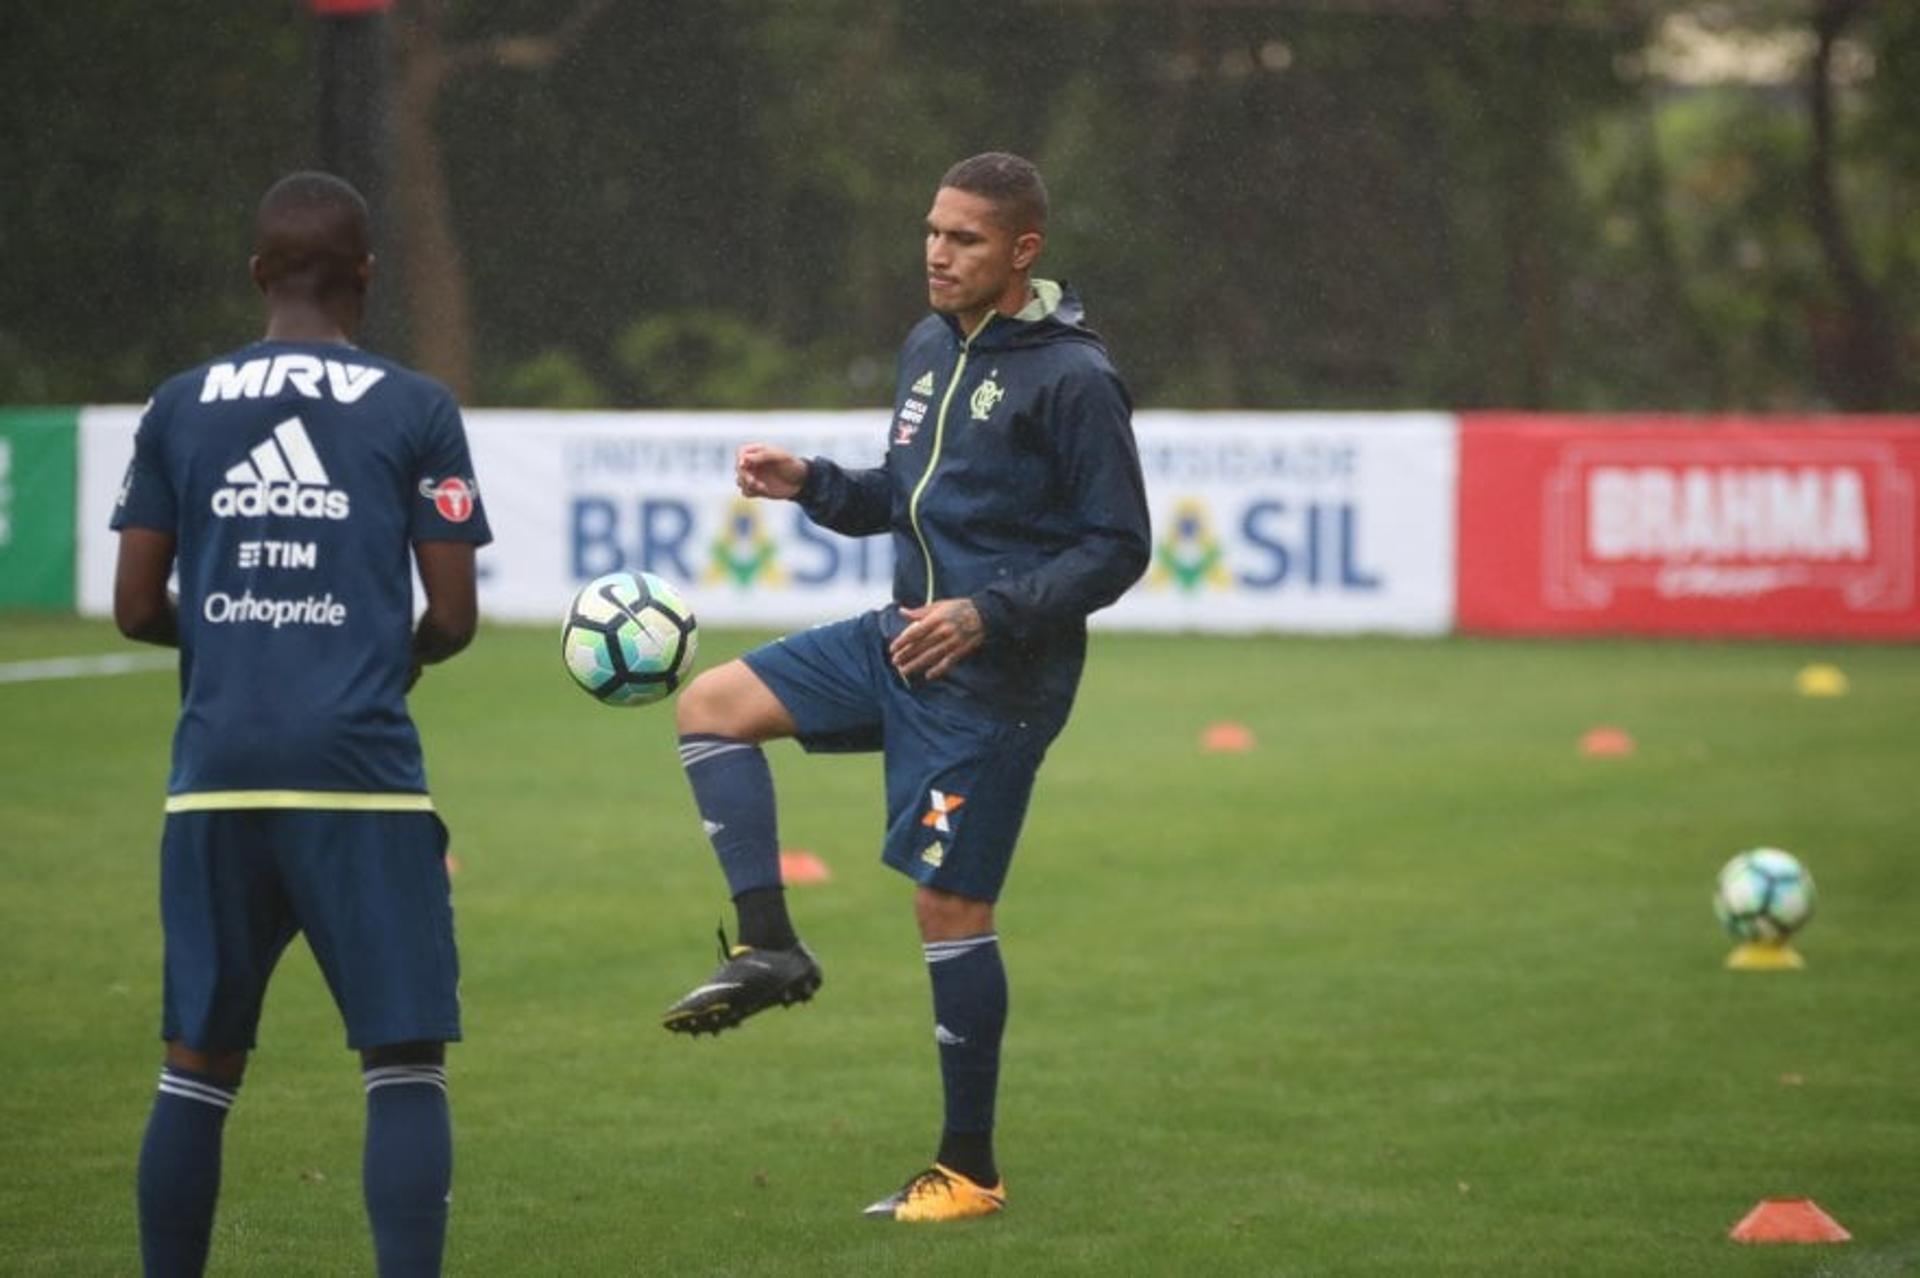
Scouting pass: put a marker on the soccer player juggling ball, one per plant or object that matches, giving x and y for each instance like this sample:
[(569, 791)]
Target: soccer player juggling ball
[(1011, 487), (295, 482)]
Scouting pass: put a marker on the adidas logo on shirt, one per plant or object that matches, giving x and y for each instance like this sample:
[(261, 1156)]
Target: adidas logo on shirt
[(281, 476)]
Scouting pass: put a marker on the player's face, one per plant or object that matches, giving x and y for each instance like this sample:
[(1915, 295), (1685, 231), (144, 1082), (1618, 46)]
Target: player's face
[(974, 261)]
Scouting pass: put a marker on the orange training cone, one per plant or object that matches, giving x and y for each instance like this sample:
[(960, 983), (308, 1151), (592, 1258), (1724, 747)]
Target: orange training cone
[(1227, 738), (1606, 743), (800, 866), (1788, 1220)]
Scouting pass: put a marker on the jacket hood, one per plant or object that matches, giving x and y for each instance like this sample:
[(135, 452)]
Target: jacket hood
[(1053, 314)]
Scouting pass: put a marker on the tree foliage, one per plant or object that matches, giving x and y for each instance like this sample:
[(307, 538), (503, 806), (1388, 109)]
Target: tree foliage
[(1266, 205)]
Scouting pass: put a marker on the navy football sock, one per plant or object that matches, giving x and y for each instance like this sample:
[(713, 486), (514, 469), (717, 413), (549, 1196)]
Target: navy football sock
[(970, 1014), (970, 1154), (763, 920), (733, 788), (407, 1172), (180, 1171)]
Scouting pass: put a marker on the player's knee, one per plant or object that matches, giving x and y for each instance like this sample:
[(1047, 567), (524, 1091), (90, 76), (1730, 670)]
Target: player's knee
[(419, 1053), (701, 706), (730, 701), (948, 916), (228, 1067)]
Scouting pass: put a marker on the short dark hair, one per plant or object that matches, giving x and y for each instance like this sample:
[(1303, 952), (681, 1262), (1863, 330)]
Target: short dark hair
[(1010, 182), (312, 232)]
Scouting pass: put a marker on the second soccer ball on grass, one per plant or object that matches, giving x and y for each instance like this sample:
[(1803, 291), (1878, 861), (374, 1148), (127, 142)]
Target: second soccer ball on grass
[(1764, 895)]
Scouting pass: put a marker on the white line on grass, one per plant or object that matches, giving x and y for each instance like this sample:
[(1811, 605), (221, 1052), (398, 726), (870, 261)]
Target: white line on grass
[(85, 667)]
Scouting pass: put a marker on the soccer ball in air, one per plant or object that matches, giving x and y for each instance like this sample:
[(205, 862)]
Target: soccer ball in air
[(1764, 895), (629, 638)]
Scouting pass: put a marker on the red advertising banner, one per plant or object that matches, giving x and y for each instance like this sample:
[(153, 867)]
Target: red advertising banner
[(1689, 526)]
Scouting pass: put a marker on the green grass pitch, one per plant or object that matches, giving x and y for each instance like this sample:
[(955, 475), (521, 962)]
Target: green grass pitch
[(1411, 988)]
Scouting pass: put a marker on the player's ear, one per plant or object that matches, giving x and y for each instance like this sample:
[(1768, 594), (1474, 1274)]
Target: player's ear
[(256, 272), (363, 272), (1026, 249)]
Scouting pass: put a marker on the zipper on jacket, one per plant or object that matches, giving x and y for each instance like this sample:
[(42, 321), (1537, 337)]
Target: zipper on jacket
[(933, 460)]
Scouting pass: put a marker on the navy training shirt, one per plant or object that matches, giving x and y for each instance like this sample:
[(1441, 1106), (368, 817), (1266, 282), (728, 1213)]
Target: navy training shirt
[(295, 477)]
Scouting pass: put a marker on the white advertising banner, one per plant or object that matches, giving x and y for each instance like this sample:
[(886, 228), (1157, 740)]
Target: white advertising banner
[(1297, 521), (106, 446), (1262, 521)]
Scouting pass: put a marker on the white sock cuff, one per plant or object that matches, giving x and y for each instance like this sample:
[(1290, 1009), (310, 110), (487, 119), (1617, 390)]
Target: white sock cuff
[(942, 951), (404, 1076), (194, 1089), (701, 749)]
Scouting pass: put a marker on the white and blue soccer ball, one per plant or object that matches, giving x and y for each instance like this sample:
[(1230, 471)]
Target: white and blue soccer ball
[(629, 638), (1764, 895)]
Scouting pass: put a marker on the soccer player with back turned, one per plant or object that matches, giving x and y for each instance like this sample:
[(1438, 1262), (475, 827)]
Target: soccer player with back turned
[(1012, 489), (288, 481)]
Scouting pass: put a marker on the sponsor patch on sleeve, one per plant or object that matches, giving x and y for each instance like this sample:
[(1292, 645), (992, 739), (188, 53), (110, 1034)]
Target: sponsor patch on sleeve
[(453, 497)]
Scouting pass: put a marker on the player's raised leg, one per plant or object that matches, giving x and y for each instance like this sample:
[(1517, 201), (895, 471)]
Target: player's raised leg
[(724, 715)]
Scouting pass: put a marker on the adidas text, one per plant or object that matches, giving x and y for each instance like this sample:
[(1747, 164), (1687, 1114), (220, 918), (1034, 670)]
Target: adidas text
[(265, 378), (281, 499), (223, 609)]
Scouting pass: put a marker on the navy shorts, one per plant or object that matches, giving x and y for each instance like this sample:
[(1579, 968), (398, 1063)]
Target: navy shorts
[(370, 891), (958, 776)]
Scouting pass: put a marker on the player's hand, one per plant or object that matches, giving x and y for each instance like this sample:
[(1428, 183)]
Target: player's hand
[(940, 635), (762, 470)]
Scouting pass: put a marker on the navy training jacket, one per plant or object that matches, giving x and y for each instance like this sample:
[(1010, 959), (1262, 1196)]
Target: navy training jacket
[(1012, 479)]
